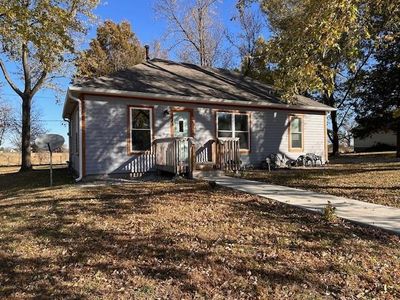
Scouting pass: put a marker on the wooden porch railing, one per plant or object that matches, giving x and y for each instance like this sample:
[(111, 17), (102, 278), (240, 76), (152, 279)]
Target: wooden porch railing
[(178, 156), (223, 153), (207, 152), (229, 154), (174, 155), (142, 164)]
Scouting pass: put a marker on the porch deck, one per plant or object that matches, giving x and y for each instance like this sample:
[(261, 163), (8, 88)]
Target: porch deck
[(182, 155)]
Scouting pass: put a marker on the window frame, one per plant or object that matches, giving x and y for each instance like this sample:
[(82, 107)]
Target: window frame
[(130, 129), (233, 126), (291, 118)]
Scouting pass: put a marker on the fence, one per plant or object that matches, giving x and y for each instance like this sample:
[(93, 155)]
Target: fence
[(42, 158)]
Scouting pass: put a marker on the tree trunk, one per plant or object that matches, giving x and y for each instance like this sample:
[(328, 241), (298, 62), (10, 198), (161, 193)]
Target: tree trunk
[(398, 140), (26, 163), (335, 133)]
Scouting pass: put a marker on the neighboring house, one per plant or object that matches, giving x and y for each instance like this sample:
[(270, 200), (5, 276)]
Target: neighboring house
[(380, 141), (142, 117)]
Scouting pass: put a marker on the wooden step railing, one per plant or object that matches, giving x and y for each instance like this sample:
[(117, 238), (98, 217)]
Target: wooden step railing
[(207, 152), (229, 154), (174, 155), (142, 164)]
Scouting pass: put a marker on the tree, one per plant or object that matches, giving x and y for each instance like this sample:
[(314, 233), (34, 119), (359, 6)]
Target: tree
[(320, 48), (157, 51), (194, 28), (115, 48), (37, 128), (37, 37), (247, 40), (5, 119), (378, 107)]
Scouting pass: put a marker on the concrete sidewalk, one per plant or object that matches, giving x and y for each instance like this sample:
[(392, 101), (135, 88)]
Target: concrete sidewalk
[(380, 216)]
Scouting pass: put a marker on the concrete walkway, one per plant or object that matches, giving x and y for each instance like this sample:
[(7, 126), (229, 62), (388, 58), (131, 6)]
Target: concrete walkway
[(384, 217)]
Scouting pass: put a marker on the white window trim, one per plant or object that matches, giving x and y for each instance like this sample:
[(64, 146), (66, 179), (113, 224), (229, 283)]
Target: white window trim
[(131, 108), (234, 131)]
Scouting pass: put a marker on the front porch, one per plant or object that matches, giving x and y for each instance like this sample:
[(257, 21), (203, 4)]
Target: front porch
[(182, 155)]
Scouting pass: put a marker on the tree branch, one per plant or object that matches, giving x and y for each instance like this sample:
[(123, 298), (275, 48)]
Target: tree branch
[(9, 80), (39, 83), (27, 69), (355, 77)]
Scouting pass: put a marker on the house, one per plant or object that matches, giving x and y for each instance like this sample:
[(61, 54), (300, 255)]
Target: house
[(378, 141), (178, 117)]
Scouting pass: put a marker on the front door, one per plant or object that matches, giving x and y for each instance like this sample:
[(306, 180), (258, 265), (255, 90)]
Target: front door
[(181, 128), (181, 123)]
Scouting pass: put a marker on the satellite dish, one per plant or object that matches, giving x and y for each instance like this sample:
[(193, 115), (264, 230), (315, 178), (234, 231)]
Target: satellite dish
[(49, 141)]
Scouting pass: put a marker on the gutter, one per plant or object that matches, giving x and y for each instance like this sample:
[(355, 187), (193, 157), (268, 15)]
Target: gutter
[(79, 101), (195, 100)]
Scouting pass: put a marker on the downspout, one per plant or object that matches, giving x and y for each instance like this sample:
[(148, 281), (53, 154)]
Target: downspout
[(80, 135)]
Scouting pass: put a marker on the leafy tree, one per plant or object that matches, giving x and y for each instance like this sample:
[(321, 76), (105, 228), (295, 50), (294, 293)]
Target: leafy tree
[(115, 48), (257, 66), (37, 37), (194, 29), (320, 48), (378, 108)]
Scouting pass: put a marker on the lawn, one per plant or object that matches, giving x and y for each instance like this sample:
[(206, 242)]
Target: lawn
[(183, 240), (371, 178)]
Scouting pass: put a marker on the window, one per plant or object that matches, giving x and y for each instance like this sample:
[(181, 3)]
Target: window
[(181, 126), (296, 133), (140, 129), (234, 125)]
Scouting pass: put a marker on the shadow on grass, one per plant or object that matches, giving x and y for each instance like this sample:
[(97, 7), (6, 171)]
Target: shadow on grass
[(16, 183), (115, 232)]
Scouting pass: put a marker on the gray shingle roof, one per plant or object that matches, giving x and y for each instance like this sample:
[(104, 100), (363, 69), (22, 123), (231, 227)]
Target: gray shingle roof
[(180, 79)]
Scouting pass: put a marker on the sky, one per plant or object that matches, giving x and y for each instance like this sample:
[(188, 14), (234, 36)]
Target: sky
[(147, 27)]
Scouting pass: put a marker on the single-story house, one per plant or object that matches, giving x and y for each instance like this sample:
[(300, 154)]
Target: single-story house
[(176, 116)]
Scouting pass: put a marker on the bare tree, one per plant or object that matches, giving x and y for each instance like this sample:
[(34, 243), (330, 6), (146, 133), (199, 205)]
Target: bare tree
[(194, 29), (157, 50), (246, 41), (5, 119), (37, 128)]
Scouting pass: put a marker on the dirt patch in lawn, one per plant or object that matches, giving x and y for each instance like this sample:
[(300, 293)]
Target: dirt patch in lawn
[(164, 240), (371, 178)]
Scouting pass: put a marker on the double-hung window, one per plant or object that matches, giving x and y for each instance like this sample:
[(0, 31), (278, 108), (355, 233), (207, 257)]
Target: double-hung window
[(234, 125), (140, 128), (296, 133)]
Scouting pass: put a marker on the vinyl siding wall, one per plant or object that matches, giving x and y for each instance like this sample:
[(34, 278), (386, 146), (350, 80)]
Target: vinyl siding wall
[(106, 127)]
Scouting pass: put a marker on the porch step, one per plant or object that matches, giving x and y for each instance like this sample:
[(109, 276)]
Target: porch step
[(200, 174), (205, 166)]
